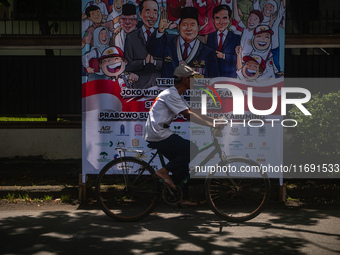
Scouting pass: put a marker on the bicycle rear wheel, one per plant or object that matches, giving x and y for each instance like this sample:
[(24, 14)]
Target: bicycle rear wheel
[(241, 197), (126, 189)]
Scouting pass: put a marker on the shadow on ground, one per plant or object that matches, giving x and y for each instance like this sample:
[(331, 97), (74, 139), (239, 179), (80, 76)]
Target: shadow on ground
[(169, 231)]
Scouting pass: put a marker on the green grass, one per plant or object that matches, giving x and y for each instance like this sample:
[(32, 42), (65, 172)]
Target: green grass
[(6, 118), (22, 119), (293, 199), (25, 197), (10, 196), (65, 198), (48, 198)]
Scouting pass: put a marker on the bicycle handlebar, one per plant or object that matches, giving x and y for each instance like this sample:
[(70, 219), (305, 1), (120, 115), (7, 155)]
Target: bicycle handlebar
[(216, 132)]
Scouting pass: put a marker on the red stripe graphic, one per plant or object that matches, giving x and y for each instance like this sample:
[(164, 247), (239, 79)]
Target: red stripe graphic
[(111, 87)]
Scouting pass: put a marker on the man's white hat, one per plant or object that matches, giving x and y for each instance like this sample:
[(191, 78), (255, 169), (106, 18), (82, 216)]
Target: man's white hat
[(184, 71)]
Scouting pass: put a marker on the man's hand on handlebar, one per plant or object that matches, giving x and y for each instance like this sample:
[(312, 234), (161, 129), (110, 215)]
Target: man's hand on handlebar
[(217, 130)]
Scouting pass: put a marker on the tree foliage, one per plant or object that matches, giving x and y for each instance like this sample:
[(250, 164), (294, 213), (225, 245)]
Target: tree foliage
[(317, 137), (5, 3)]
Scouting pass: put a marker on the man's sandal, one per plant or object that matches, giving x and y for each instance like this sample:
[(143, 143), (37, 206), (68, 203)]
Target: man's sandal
[(167, 181)]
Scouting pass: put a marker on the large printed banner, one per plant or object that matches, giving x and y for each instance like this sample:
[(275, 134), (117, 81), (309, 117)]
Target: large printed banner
[(130, 50)]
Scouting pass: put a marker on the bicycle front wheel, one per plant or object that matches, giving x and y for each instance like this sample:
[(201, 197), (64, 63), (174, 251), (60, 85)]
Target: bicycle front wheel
[(126, 189), (237, 196)]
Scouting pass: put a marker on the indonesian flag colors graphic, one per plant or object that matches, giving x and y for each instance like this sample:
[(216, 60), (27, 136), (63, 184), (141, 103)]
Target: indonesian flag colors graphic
[(108, 95)]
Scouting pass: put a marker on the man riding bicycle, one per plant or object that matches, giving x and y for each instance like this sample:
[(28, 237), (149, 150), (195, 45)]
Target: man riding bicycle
[(157, 133)]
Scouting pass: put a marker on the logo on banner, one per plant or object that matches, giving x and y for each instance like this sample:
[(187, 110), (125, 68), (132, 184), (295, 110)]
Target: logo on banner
[(197, 131), (105, 130), (248, 132), (234, 131), (262, 131), (138, 130), (122, 129), (236, 145), (250, 146), (264, 146), (103, 157), (120, 144), (135, 142), (178, 131), (261, 159), (104, 144)]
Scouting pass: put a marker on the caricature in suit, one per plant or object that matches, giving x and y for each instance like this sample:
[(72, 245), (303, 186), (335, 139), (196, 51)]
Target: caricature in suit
[(224, 41), (140, 61), (183, 49), (128, 21)]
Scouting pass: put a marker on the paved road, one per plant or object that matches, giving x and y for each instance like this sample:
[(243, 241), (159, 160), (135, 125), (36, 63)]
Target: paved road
[(66, 229)]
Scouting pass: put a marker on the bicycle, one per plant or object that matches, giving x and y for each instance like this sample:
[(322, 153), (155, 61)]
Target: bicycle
[(128, 190)]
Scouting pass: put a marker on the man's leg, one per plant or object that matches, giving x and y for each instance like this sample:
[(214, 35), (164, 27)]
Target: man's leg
[(179, 152)]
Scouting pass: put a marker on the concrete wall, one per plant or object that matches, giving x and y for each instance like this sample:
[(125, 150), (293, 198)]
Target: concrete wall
[(50, 143)]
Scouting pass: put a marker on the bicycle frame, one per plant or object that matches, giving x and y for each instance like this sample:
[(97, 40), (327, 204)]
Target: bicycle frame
[(216, 150)]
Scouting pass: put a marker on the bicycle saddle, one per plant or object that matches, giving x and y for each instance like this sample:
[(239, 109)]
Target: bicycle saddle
[(152, 146)]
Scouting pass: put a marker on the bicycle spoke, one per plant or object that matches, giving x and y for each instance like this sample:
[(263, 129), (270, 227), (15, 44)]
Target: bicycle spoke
[(123, 192), (239, 198)]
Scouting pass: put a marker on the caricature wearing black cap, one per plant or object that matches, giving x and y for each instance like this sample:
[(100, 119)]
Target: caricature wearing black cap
[(128, 21), (189, 13), (128, 9)]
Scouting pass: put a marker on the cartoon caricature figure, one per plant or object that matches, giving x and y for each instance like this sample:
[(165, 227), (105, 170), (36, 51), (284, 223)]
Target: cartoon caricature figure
[(269, 8), (113, 63), (117, 6), (273, 14), (140, 60), (262, 38), (255, 18), (244, 7), (252, 68), (86, 23), (274, 24), (184, 48), (94, 14), (128, 21), (262, 47), (90, 59), (224, 41), (205, 14)]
